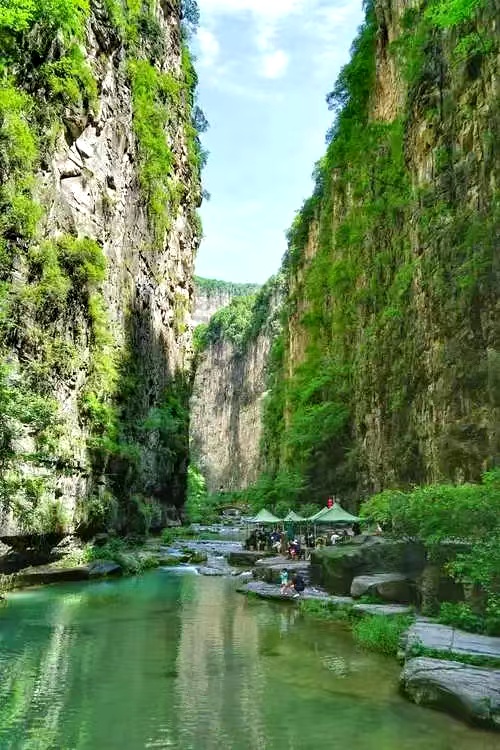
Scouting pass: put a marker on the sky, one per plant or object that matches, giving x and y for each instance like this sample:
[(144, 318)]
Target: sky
[(264, 67)]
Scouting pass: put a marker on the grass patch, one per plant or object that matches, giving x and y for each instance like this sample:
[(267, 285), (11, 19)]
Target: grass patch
[(382, 634), (325, 610)]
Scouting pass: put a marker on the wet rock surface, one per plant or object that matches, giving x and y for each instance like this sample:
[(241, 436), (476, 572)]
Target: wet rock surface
[(471, 693), (54, 574)]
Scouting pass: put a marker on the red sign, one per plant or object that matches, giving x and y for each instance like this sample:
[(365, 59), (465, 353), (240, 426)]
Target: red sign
[(330, 503)]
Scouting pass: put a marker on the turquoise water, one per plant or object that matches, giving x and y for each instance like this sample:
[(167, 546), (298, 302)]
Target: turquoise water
[(181, 661)]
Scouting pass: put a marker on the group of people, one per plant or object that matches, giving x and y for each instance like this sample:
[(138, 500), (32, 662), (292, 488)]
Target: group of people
[(278, 541), (295, 584)]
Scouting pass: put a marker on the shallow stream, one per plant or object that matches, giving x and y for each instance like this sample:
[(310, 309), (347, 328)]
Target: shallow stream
[(171, 660)]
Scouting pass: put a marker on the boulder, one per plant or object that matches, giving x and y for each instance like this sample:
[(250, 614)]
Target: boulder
[(471, 693), (335, 567), (270, 568), (103, 568), (52, 574), (388, 610), (391, 587), (244, 558)]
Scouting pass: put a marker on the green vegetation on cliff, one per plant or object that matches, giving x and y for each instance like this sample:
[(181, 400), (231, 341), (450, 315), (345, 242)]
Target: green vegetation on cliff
[(241, 321), (54, 322), (387, 370), (213, 287)]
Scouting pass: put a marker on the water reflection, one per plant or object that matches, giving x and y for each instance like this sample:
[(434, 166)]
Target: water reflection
[(183, 662)]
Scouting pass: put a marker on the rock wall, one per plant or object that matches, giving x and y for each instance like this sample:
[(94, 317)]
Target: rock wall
[(211, 295), (119, 395), (390, 371), (227, 405)]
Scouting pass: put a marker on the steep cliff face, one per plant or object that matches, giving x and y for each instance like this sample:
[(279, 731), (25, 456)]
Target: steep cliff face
[(229, 390), (211, 295), (100, 164), (388, 371)]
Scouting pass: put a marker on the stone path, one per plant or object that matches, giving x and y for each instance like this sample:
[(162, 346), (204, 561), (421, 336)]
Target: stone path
[(449, 640)]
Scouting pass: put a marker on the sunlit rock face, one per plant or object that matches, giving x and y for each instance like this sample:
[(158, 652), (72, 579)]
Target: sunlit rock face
[(90, 186), (228, 399)]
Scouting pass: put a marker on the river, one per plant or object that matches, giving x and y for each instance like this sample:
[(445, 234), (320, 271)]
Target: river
[(181, 661)]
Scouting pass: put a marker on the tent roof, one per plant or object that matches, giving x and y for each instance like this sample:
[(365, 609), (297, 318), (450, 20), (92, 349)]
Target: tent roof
[(319, 514), (293, 516), (264, 516), (336, 514)]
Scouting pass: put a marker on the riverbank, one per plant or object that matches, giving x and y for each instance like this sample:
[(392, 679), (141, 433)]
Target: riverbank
[(73, 560), (443, 668)]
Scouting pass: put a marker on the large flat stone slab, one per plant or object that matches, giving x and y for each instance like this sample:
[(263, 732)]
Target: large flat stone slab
[(391, 587), (432, 635), (389, 610), (471, 693), (270, 591)]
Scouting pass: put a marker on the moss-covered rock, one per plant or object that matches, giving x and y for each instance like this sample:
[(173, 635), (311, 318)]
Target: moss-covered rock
[(334, 568)]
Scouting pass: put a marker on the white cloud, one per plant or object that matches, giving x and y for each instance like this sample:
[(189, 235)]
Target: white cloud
[(209, 47), (274, 64), (266, 14), (260, 9)]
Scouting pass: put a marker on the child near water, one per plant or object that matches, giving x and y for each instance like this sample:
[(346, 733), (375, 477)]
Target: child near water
[(284, 580)]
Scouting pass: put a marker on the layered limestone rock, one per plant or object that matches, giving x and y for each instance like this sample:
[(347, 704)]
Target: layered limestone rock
[(129, 459), (226, 413), (393, 274), (227, 402)]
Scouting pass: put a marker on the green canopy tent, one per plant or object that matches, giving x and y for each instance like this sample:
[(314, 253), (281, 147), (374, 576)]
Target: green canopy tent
[(264, 516), (292, 520), (294, 517), (335, 514), (317, 515)]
